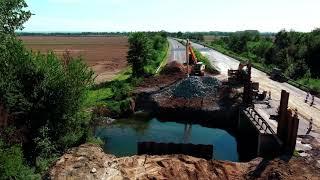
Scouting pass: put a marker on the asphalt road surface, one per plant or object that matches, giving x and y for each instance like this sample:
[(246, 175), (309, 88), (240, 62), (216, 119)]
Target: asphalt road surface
[(297, 96), (177, 51)]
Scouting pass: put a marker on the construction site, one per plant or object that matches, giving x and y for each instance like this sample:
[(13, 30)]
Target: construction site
[(184, 90), (225, 116), (145, 90)]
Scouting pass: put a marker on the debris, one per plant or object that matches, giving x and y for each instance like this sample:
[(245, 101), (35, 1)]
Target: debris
[(195, 86), (93, 170)]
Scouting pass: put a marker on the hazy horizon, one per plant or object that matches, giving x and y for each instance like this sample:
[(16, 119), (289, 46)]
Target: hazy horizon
[(172, 16)]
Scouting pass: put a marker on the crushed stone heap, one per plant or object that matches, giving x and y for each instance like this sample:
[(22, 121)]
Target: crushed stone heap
[(195, 87)]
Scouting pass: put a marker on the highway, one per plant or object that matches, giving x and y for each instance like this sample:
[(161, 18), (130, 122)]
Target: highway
[(177, 51), (297, 96)]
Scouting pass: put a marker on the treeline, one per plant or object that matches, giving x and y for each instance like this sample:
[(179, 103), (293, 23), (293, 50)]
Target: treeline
[(73, 33), (200, 36), (296, 53)]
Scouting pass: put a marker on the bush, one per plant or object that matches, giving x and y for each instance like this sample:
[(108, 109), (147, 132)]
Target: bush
[(12, 165), (42, 91), (45, 150)]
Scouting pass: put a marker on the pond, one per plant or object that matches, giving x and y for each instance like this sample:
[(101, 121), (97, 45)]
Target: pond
[(122, 136)]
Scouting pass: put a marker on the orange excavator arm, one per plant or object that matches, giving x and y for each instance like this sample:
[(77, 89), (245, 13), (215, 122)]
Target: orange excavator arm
[(192, 56)]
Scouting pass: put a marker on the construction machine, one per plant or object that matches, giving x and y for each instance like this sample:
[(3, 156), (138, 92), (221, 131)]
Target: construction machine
[(198, 68), (277, 75), (240, 74)]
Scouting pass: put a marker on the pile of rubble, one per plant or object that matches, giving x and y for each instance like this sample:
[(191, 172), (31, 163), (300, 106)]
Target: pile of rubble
[(195, 86)]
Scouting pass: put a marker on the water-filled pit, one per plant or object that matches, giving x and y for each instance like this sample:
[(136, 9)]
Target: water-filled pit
[(121, 136)]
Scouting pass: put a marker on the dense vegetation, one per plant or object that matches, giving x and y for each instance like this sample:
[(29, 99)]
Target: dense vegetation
[(47, 98), (146, 52), (44, 96)]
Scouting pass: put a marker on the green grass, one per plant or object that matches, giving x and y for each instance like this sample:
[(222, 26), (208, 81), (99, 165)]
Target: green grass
[(98, 97), (209, 66), (98, 94), (313, 84), (125, 74), (160, 60), (164, 58)]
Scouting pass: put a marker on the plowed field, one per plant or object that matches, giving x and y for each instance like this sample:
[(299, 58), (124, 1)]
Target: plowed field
[(105, 55)]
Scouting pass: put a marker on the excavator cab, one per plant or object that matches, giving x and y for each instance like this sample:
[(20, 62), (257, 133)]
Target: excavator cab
[(198, 69)]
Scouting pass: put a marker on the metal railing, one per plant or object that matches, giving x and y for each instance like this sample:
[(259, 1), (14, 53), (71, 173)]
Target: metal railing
[(259, 121)]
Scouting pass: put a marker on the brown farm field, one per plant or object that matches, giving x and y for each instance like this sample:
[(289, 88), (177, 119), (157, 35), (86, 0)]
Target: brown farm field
[(105, 55)]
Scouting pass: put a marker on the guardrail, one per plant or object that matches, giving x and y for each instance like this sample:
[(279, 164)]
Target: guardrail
[(260, 122)]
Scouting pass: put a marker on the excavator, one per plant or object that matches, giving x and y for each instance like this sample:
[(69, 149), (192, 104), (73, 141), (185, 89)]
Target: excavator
[(240, 74), (197, 66)]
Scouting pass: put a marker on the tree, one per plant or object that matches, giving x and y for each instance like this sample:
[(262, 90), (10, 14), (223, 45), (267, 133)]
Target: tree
[(12, 164), (13, 15), (139, 53), (40, 90)]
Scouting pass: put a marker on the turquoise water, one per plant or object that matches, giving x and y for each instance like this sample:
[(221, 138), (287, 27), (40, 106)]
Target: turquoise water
[(122, 136)]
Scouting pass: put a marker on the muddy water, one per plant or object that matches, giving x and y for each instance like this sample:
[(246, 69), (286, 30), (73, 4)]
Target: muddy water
[(122, 136)]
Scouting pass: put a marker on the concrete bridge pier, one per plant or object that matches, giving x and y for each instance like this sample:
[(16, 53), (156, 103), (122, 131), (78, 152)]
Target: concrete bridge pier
[(255, 137)]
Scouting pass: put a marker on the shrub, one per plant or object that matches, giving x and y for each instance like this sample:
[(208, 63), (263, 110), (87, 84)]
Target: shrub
[(44, 91), (12, 165)]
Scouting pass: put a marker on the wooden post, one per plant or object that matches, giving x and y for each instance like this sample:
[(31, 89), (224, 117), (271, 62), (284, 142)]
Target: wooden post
[(282, 121), (293, 127), (187, 56)]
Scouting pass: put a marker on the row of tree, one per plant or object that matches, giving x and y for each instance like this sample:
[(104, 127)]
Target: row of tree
[(296, 53)]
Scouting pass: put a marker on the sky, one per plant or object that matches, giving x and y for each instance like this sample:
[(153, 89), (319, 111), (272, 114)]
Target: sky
[(172, 15)]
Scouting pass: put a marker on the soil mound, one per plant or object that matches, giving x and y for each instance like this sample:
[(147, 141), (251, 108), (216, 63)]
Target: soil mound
[(173, 68)]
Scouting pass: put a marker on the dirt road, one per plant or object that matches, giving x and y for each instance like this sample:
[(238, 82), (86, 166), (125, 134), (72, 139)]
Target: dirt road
[(297, 96)]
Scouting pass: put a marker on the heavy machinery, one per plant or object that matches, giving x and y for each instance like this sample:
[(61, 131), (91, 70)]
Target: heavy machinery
[(277, 75), (198, 68), (240, 74)]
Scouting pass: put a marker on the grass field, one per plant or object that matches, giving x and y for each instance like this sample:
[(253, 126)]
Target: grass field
[(105, 55)]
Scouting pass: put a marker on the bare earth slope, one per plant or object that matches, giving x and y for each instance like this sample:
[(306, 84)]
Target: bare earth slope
[(89, 162)]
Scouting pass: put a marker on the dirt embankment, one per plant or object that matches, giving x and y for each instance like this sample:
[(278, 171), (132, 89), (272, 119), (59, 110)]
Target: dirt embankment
[(90, 162)]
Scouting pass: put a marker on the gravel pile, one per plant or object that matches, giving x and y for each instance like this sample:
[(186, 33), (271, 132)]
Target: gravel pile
[(195, 86)]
